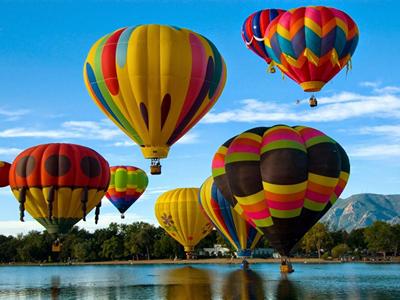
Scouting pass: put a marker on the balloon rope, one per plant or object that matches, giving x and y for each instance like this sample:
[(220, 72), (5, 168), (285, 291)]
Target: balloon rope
[(84, 200), (22, 199), (50, 200), (97, 212)]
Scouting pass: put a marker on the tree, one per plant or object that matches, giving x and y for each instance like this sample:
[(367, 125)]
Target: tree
[(340, 250), (316, 238), (356, 240), (379, 237), (395, 238), (112, 248)]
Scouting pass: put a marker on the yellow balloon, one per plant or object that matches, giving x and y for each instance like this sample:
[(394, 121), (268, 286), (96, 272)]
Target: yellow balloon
[(179, 213), (155, 82)]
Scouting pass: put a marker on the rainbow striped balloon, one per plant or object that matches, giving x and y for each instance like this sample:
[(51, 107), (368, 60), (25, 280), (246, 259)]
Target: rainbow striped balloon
[(127, 184), (283, 178), (240, 234), (311, 44), (154, 82), (254, 28)]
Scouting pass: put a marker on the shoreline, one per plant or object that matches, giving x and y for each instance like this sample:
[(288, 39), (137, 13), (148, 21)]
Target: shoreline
[(225, 261)]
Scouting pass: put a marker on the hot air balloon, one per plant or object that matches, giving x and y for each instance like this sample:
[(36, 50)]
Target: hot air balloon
[(283, 178), (4, 171), (311, 45), (229, 223), (254, 28), (58, 184), (126, 186), (179, 213), (154, 82)]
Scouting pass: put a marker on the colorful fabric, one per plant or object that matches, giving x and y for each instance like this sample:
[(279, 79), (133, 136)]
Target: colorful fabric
[(179, 213), (311, 44), (282, 178), (4, 171), (155, 82), (254, 28), (58, 184), (239, 233), (127, 184)]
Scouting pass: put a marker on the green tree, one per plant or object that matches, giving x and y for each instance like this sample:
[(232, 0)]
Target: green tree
[(356, 240), (340, 250), (395, 238), (379, 237), (316, 239), (112, 248)]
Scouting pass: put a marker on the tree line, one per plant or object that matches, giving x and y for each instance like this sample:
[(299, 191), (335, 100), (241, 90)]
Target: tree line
[(141, 240)]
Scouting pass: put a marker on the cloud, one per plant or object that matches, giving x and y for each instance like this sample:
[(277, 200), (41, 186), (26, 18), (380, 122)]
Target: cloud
[(389, 131), (15, 227), (103, 130), (124, 144), (338, 107), (370, 84), (188, 138), (381, 151), (10, 151), (13, 114)]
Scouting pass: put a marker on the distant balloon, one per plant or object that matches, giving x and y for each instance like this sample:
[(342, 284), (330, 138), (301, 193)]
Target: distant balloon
[(126, 186), (179, 213), (58, 184), (155, 82), (312, 44), (283, 178), (240, 234), (254, 29), (4, 171)]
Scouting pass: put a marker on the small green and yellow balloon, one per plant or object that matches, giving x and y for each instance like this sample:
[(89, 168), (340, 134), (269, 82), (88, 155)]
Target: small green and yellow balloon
[(127, 184)]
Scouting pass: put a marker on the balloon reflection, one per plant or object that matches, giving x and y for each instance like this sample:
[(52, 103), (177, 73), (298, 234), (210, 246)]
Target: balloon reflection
[(55, 287), (187, 283), (243, 285), (288, 290)]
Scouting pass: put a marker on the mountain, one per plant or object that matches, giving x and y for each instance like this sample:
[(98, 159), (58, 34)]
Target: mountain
[(362, 210)]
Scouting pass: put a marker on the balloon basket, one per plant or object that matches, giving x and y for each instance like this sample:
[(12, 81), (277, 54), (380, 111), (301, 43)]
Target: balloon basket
[(313, 101), (155, 167)]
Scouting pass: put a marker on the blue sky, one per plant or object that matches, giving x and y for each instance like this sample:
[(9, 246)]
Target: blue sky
[(43, 45)]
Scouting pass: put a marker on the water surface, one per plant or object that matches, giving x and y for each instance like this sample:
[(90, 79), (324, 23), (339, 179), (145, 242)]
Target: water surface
[(201, 281)]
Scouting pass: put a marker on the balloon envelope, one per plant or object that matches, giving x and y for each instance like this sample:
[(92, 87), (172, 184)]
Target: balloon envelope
[(4, 172), (283, 178), (179, 213), (155, 82), (254, 29), (311, 44), (127, 184), (58, 184), (229, 223)]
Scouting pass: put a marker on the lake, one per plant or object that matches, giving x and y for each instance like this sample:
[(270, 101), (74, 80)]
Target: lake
[(201, 281)]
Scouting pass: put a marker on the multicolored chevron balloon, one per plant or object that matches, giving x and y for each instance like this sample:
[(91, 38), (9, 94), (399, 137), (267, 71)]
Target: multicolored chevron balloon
[(254, 28), (283, 178), (242, 236), (312, 44), (126, 186)]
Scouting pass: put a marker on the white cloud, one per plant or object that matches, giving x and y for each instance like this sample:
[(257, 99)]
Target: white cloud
[(13, 114), (10, 151), (15, 227), (370, 84), (188, 138), (390, 131), (124, 144), (338, 107), (103, 130), (381, 151)]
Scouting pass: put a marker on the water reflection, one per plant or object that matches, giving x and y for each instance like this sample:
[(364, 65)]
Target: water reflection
[(288, 290), (55, 287), (187, 283), (243, 285)]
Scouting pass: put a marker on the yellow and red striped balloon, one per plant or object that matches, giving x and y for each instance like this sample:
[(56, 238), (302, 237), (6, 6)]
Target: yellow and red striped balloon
[(282, 178), (154, 82)]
